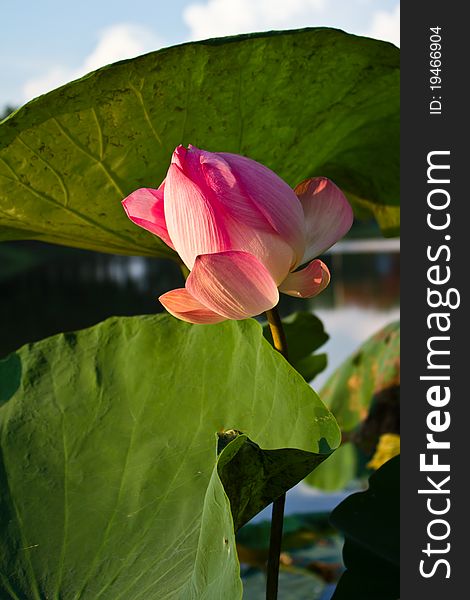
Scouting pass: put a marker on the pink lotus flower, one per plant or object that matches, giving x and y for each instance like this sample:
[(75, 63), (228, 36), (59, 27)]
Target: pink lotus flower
[(241, 231)]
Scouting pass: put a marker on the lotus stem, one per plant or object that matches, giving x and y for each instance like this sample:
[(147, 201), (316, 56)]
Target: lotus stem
[(277, 331), (277, 518)]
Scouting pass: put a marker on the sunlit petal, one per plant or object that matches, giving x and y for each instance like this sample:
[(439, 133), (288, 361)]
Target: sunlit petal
[(308, 282), (145, 207), (183, 306), (234, 284), (328, 215), (194, 224)]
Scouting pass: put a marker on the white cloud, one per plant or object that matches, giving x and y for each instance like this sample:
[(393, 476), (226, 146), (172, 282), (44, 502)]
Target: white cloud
[(53, 78), (116, 42), (227, 17), (386, 26)]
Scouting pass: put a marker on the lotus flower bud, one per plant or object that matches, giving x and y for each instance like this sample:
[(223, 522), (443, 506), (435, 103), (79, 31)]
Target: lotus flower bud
[(241, 231)]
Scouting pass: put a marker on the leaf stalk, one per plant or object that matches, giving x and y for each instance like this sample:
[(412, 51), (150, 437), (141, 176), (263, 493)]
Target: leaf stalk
[(277, 518)]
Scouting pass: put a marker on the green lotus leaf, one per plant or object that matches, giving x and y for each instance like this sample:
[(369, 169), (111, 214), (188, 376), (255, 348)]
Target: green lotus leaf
[(133, 450), (304, 102)]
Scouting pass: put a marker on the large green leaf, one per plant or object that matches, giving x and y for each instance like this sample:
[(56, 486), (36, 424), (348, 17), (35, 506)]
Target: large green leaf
[(337, 471), (306, 102), (110, 485), (363, 394), (368, 379)]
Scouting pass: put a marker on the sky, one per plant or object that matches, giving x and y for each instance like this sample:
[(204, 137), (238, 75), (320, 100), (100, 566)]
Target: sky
[(46, 43)]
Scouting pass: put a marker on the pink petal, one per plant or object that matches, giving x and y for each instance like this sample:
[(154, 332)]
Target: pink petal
[(247, 228), (145, 208), (215, 178), (195, 225), (308, 282), (216, 182), (275, 254), (270, 195), (234, 284), (179, 156), (328, 214), (250, 193), (183, 306), (195, 201)]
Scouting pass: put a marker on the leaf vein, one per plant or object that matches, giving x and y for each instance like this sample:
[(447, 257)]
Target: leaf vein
[(140, 98)]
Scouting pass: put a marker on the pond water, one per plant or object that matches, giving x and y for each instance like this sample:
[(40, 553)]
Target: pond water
[(48, 289)]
